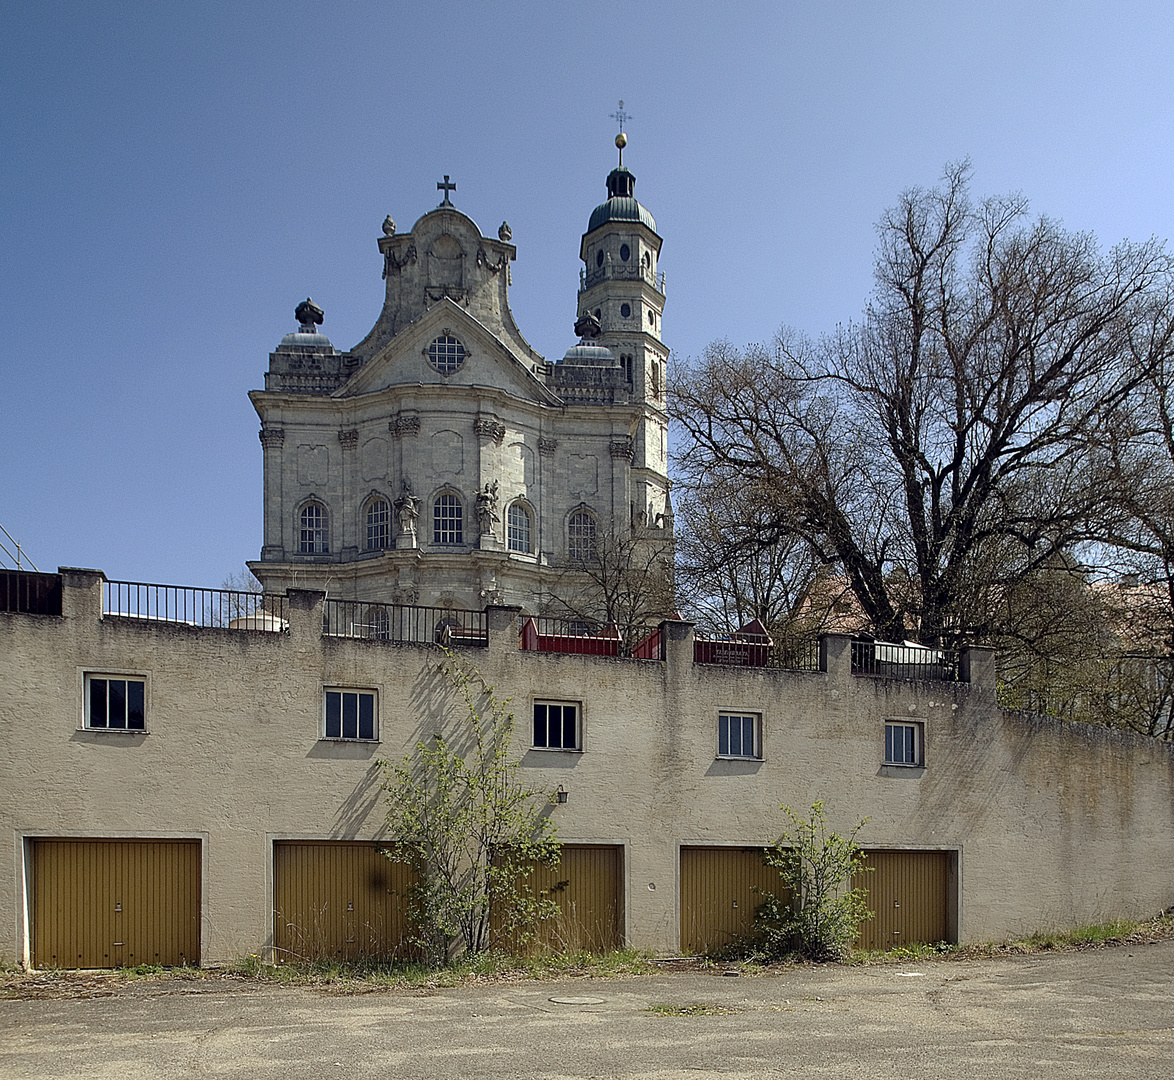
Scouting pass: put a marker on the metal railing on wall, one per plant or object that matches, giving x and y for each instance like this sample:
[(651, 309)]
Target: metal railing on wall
[(230, 609), (883, 659), (403, 622), (30, 593)]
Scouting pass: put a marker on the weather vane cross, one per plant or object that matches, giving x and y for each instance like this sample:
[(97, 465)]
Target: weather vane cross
[(446, 187), (621, 117)]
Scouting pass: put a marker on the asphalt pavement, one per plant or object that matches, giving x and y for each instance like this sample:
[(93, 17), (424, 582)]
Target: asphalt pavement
[(1105, 1013)]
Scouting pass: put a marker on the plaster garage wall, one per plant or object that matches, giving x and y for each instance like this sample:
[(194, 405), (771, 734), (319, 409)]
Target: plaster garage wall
[(115, 903)]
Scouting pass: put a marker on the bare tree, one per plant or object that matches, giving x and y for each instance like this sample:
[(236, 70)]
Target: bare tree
[(726, 575), (619, 576), (950, 444)]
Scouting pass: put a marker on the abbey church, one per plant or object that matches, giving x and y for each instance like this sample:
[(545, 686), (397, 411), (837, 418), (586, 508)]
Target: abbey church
[(442, 461), (195, 775)]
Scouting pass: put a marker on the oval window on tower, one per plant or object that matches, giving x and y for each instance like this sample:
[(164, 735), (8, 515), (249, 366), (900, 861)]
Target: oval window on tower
[(625, 310), (647, 260), (599, 257), (625, 252)]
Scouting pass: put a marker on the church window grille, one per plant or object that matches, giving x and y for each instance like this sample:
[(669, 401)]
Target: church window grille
[(625, 252), (314, 537), (446, 354), (518, 528), (378, 525), (447, 520), (581, 536)]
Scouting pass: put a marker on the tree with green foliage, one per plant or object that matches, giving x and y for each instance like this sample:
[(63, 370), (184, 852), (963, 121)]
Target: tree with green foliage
[(821, 917), (471, 830)]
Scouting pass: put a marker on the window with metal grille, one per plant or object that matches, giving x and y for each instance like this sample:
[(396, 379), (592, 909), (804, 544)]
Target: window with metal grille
[(116, 703), (446, 354), (447, 517), (349, 714), (903, 744), (378, 525), (581, 536), (739, 735), (556, 725), (518, 528), (313, 539)]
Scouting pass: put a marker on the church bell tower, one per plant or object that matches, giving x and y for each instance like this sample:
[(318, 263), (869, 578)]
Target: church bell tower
[(621, 287)]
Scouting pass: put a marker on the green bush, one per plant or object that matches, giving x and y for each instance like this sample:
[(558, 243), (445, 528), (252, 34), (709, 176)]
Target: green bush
[(821, 917)]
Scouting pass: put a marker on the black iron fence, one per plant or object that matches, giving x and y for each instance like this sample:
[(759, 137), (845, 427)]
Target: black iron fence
[(30, 592), (231, 609), (402, 622), (892, 661)]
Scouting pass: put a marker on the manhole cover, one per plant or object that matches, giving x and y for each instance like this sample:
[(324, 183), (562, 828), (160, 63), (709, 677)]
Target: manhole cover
[(577, 1001)]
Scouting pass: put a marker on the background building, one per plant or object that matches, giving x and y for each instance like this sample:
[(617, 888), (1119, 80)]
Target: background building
[(442, 461)]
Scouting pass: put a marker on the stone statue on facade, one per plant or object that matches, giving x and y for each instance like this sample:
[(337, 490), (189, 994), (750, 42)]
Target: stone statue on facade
[(388, 226), (487, 515), (309, 316), (407, 509), (505, 232)]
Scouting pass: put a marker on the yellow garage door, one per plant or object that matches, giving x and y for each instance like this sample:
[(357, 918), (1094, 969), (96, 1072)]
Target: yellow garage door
[(908, 893), (720, 890), (115, 903), (336, 899), (587, 885)]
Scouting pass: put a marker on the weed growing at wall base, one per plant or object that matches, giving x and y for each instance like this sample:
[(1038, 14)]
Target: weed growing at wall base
[(472, 831), (821, 917)]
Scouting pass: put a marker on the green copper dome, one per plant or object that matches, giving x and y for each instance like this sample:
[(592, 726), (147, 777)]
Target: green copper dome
[(621, 204)]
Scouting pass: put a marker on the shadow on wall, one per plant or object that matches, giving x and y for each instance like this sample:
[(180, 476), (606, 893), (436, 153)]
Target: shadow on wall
[(359, 805)]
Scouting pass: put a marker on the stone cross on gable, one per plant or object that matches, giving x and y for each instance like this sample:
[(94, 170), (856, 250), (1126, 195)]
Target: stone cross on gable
[(446, 187)]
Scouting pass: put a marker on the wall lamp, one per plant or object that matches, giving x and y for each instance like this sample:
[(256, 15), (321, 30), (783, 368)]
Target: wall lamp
[(561, 794)]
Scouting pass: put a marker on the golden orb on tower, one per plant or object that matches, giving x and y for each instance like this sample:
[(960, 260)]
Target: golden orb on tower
[(621, 140)]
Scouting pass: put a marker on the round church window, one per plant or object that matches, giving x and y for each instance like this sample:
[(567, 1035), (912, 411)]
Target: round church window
[(599, 258), (625, 310), (446, 354), (625, 252)]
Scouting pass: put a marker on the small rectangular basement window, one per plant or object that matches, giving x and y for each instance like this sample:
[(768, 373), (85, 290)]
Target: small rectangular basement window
[(116, 703), (350, 714), (739, 735), (903, 744), (556, 725)]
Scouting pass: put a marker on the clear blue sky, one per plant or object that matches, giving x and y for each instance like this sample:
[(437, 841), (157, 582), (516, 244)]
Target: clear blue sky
[(174, 178)]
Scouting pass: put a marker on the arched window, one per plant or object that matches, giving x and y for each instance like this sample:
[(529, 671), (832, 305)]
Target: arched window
[(314, 537), (379, 623), (581, 536), (447, 517), (378, 525), (518, 528)]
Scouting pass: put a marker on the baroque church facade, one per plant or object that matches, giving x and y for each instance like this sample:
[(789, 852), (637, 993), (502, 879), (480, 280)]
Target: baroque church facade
[(442, 461)]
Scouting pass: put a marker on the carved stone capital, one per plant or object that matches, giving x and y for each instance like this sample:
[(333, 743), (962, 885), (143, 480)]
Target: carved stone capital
[(349, 439), (400, 426), (622, 448), (271, 437), (489, 429), (547, 447)]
